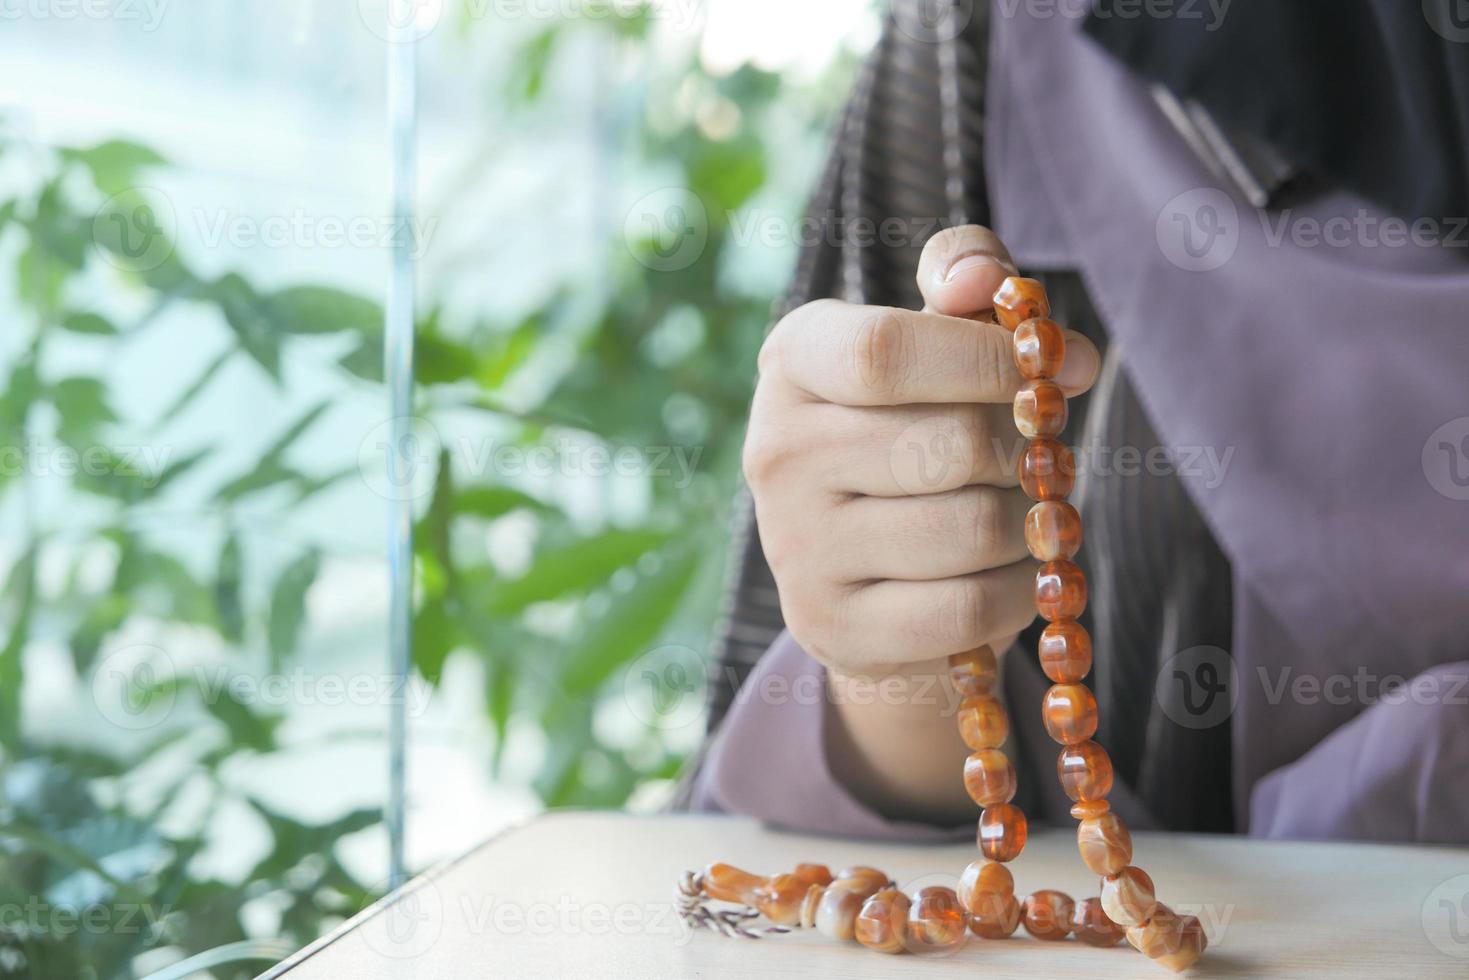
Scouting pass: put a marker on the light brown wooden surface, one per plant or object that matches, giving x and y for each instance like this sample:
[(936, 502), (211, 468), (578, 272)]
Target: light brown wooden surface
[(589, 895)]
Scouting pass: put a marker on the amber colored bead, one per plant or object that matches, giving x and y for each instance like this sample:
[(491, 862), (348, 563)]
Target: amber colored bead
[(1060, 590), (882, 923), (1159, 935), (1019, 299), (1090, 924), (1192, 942), (1070, 713), (1002, 832), (989, 777), (813, 874), (1040, 409), (1087, 809), (1040, 347), (1047, 914), (1172, 941), (1104, 843), (984, 880), (1085, 771), (936, 920), (997, 917), (1047, 470), (726, 883), (974, 672), (860, 876), (1128, 896), (832, 910), (1053, 530), (779, 898), (1065, 651), (983, 723)]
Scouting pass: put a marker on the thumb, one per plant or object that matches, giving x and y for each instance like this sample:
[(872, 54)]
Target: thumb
[(961, 268), (958, 273)]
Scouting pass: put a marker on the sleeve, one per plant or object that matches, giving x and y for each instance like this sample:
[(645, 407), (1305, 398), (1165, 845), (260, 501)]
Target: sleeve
[(769, 760), (1394, 772)]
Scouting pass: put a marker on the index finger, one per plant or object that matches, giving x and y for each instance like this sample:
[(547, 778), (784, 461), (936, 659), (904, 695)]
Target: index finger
[(877, 355)]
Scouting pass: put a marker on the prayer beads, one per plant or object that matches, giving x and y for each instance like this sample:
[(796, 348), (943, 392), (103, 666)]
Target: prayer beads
[(860, 903)]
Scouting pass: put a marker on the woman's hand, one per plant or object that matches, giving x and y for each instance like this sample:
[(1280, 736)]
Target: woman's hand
[(881, 455)]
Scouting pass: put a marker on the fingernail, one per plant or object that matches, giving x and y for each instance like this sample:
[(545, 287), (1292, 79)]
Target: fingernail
[(973, 261), (1081, 364)]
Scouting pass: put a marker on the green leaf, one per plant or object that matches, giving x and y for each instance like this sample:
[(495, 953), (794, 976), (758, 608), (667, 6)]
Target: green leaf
[(107, 474), (439, 360), (83, 407), (271, 469), (318, 309), (514, 351), (247, 314), (161, 585), (365, 360), (103, 616), (631, 624), (500, 675), (246, 728), (187, 396), (433, 531), (39, 278), (228, 578), (18, 603), (436, 634), (531, 62), (115, 163), (575, 568), (265, 474), (288, 604), (89, 323), (492, 502)]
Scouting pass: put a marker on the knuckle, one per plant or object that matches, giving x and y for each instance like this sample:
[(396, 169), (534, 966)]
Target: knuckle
[(993, 362), (768, 360), (764, 455), (986, 519), (881, 351), (964, 610), (809, 619), (972, 439)]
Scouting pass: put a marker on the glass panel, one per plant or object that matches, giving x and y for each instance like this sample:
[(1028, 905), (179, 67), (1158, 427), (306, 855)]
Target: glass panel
[(193, 236), (610, 195)]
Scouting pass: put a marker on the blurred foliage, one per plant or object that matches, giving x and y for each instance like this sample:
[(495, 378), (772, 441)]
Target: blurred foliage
[(657, 359)]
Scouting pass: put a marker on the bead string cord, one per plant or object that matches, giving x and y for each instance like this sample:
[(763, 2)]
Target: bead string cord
[(862, 903)]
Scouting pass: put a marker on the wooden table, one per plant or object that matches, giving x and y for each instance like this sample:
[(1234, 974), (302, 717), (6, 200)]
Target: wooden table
[(589, 895)]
